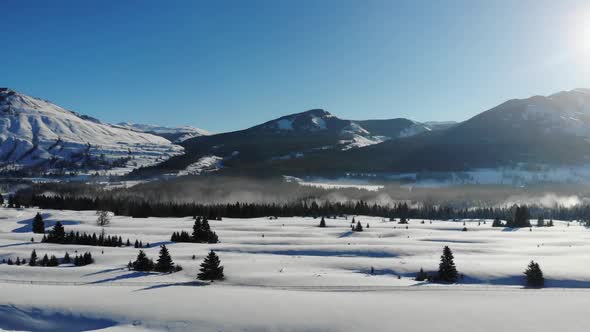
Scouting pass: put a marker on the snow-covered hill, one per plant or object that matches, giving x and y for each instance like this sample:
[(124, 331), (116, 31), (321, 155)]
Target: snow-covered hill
[(174, 134), (36, 132)]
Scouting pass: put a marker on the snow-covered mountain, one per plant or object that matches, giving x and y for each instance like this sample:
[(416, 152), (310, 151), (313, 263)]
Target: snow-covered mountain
[(292, 137), (38, 133), (173, 134)]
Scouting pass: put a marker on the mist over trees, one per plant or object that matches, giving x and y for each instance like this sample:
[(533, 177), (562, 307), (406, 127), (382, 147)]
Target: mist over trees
[(219, 196)]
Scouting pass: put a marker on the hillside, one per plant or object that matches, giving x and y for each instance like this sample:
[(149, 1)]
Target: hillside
[(36, 133)]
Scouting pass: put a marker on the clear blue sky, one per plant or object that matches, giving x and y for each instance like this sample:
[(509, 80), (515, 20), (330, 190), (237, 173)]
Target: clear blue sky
[(226, 65)]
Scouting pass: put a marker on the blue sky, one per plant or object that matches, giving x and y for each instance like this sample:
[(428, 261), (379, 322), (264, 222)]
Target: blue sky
[(226, 65)]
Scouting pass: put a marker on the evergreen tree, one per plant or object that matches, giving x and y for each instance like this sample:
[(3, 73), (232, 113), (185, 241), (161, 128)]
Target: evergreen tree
[(447, 272), (421, 276), (33, 258), (67, 259), (38, 224), (540, 222), (142, 262), (164, 263), (322, 222), (534, 275), (57, 234), (211, 268), (359, 227), (53, 261), (497, 223), (45, 260)]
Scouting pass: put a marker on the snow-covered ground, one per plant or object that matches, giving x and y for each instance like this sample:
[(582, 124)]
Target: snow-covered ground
[(290, 275)]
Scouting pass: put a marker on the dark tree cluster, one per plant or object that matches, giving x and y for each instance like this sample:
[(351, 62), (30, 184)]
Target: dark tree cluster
[(358, 227), (58, 235), (164, 264), (51, 261), (17, 261), (202, 233), (521, 218)]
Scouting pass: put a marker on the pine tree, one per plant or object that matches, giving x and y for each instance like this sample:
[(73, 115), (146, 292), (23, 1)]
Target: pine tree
[(33, 258), (57, 234), (322, 222), (359, 227), (38, 224), (421, 276), (540, 222), (534, 275), (45, 260), (142, 262), (67, 259), (164, 263), (53, 261), (211, 268), (447, 272), (497, 223)]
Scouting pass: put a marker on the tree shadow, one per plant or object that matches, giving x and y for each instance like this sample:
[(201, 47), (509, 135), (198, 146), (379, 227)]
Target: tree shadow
[(28, 224), (35, 319), (104, 271), (182, 284), (15, 244), (132, 275)]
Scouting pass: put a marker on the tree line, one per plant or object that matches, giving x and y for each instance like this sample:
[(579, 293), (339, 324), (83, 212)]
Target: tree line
[(59, 235), (139, 208)]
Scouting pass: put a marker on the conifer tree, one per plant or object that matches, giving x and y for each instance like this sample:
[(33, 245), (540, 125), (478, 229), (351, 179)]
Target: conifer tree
[(447, 272), (57, 234), (210, 268), (540, 222), (497, 223), (322, 222), (164, 263), (33, 258), (142, 262), (421, 276), (45, 260), (534, 275), (38, 224), (359, 227), (53, 261), (67, 259)]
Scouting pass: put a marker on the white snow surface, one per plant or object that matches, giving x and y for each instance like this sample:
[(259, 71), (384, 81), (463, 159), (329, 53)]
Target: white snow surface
[(186, 131), (33, 131), (289, 275), (203, 165)]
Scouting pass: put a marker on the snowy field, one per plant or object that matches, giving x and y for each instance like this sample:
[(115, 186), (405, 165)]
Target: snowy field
[(290, 275)]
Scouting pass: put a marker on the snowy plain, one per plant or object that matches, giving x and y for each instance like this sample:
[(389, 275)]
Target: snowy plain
[(288, 274)]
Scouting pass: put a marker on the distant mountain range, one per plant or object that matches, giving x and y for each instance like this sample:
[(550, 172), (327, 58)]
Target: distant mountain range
[(300, 137), (534, 132)]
